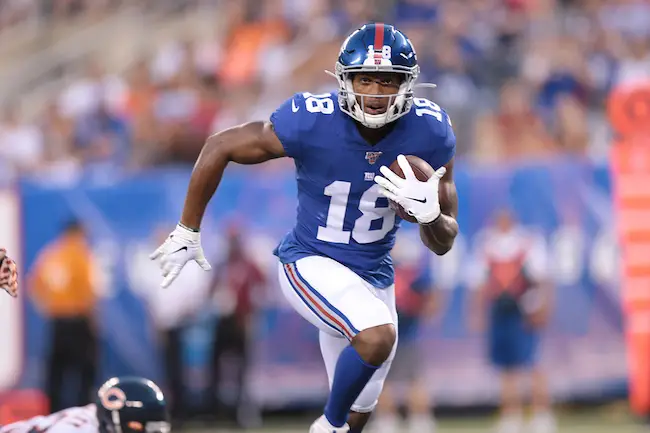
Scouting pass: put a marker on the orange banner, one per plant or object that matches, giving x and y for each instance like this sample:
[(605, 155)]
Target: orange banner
[(629, 114)]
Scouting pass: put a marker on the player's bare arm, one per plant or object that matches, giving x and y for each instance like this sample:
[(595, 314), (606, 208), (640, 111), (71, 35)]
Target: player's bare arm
[(439, 235), (250, 143)]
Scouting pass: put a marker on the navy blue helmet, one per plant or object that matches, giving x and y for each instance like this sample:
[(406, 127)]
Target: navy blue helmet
[(376, 48), (131, 405)]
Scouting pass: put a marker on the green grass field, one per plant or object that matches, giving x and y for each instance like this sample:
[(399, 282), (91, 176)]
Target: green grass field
[(597, 421)]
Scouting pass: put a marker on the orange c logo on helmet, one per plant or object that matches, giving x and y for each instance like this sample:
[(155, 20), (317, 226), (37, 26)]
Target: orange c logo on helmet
[(113, 398)]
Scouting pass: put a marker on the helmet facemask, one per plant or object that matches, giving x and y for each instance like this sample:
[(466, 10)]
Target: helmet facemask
[(399, 105)]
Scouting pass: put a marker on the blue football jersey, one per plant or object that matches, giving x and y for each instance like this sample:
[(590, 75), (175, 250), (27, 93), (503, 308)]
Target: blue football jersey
[(341, 214)]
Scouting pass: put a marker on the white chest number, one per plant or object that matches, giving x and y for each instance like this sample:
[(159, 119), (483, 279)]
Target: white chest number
[(339, 191), (321, 103)]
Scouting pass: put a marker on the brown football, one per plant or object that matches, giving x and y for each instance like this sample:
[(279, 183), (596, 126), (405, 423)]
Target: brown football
[(423, 171)]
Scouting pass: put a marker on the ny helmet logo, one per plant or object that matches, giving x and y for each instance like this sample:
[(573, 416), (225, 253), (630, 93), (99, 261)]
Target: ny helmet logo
[(372, 157)]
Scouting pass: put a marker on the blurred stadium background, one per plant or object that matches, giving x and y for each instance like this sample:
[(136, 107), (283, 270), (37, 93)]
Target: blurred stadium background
[(106, 104)]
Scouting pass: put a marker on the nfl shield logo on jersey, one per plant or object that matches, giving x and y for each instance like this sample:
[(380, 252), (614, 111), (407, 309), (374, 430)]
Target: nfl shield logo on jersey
[(372, 157)]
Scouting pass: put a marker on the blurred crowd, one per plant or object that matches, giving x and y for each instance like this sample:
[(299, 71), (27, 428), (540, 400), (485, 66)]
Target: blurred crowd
[(520, 78), (45, 13)]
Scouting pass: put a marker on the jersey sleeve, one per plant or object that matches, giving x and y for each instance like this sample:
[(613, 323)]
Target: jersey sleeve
[(445, 142), (289, 122)]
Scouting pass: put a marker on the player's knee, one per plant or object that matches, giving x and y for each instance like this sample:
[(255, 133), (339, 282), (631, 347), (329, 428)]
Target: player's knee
[(375, 345)]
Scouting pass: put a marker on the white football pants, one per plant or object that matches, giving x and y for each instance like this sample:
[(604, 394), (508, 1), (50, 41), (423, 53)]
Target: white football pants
[(340, 304)]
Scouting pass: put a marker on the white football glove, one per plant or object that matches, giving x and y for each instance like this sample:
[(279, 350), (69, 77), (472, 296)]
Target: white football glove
[(419, 199), (181, 246)]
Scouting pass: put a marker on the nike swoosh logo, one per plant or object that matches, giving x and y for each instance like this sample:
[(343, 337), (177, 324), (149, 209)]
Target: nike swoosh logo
[(419, 200), (293, 106), (180, 249)]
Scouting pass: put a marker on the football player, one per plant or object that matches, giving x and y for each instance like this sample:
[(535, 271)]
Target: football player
[(124, 405), (8, 274), (334, 266)]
